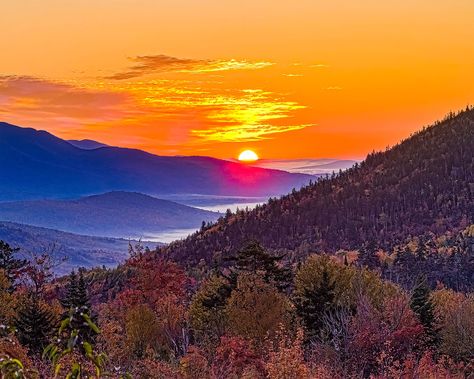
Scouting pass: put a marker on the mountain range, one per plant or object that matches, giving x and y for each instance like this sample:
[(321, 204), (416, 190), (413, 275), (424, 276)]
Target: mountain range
[(422, 186), (79, 250), (320, 166), (113, 214), (35, 164)]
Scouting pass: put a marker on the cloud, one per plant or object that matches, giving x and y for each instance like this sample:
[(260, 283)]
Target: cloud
[(249, 116), (152, 64), (159, 115), (35, 100), (246, 133), (314, 65), (293, 75)]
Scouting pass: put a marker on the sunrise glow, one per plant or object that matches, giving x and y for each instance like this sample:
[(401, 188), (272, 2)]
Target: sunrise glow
[(351, 77)]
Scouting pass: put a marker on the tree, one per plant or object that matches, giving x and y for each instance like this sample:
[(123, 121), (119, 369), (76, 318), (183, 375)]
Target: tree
[(76, 298), (254, 259), (314, 302), (35, 324), (69, 296), (379, 337), (455, 314), (286, 358), (11, 265), (368, 255), (76, 292), (8, 299), (256, 309), (142, 330), (39, 271), (194, 365), (235, 357), (423, 307), (207, 310)]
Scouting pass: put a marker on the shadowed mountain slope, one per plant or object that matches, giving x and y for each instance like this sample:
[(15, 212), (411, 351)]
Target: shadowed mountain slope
[(35, 164), (425, 184)]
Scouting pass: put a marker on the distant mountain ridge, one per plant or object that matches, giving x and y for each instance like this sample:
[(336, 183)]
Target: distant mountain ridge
[(86, 144), (423, 185), (35, 164), (79, 250), (316, 166), (113, 214)]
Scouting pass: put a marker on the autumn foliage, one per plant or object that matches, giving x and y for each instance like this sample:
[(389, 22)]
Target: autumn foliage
[(332, 320)]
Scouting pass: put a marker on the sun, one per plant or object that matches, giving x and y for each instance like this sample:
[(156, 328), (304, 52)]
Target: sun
[(248, 156)]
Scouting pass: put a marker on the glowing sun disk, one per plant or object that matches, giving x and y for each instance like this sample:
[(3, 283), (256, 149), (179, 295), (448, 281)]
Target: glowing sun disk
[(248, 156)]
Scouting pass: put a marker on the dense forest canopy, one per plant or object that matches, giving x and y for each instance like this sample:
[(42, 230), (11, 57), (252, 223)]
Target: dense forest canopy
[(424, 186)]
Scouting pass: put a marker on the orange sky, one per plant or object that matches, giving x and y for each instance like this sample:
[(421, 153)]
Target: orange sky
[(289, 79)]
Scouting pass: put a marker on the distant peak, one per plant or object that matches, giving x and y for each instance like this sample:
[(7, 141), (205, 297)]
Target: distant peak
[(87, 144)]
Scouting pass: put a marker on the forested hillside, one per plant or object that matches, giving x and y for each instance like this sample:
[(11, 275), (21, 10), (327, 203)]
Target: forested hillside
[(424, 185)]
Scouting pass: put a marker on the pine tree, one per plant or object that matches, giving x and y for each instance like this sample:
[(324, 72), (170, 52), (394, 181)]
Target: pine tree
[(82, 297), (69, 298), (368, 255), (76, 299), (253, 258), (314, 303), (11, 265), (422, 305), (35, 325), (76, 292)]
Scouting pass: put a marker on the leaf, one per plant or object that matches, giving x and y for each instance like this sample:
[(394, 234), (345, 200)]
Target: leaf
[(87, 348), (89, 322), (57, 368), (64, 324)]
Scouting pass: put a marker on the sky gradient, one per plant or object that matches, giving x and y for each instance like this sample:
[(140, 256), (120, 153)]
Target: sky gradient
[(288, 79)]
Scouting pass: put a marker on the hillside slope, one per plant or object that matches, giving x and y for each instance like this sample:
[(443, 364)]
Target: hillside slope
[(35, 164), (424, 184), (79, 250), (113, 214)]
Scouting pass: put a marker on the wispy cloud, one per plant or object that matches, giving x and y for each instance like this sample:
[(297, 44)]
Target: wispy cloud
[(246, 133), (293, 75), (249, 117), (159, 115), (151, 64), (314, 65), (38, 98)]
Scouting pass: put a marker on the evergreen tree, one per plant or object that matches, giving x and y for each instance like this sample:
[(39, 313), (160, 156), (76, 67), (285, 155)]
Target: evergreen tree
[(422, 305), (76, 292), (11, 265), (35, 324), (69, 298), (314, 303), (76, 299), (253, 258), (82, 297), (368, 255)]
